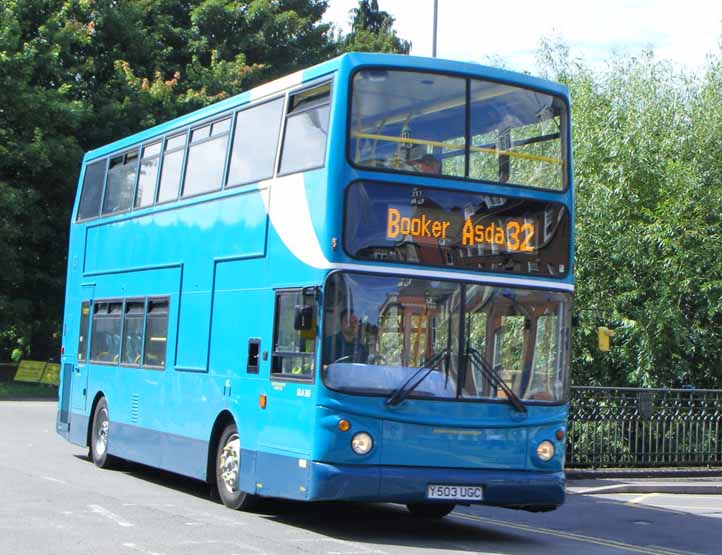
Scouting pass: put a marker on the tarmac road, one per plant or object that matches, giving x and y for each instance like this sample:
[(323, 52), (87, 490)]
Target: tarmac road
[(54, 501)]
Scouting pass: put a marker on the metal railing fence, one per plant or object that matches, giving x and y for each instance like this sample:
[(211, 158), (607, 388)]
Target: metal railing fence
[(631, 427)]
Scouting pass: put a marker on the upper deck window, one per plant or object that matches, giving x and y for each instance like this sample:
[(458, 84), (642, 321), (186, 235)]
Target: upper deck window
[(149, 165), (92, 190), (206, 158), (254, 143), (121, 180), (304, 143), (172, 168), (442, 125)]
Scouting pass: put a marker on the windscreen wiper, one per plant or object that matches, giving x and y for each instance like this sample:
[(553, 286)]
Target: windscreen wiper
[(404, 390), (495, 379)]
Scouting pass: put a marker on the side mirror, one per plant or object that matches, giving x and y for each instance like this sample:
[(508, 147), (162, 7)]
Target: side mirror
[(303, 317)]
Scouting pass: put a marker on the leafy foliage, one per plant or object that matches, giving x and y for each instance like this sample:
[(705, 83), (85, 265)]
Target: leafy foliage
[(648, 220), (372, 31), (77, 74)]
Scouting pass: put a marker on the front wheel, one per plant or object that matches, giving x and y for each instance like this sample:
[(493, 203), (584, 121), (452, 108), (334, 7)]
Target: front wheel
[(430, 510), (99, 436), (228, 468)]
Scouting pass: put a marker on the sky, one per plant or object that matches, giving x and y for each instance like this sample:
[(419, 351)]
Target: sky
[(487, 31)]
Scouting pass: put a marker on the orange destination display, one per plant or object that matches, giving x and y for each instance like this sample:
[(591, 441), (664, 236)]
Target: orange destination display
[(437, 227)]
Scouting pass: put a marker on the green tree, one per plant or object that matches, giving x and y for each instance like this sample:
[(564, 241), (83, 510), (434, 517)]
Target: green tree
[(372, 30), (77, 74), (648, 219)]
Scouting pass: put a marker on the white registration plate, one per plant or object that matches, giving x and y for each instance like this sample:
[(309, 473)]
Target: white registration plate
[(455, 493)]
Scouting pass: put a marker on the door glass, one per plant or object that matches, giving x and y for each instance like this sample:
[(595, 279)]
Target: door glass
[(83, 336)]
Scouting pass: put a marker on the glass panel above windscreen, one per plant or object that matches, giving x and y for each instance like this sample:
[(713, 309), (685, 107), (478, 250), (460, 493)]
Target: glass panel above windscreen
[(398, 223), (441, 125)]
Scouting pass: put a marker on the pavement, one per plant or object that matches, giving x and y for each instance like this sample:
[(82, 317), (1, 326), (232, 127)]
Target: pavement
[(667, 485)]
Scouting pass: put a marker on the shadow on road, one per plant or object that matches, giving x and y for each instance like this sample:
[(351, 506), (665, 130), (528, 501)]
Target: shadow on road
[(387, 524), (585, 523)]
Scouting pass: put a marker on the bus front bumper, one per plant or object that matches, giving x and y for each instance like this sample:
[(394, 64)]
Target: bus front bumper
[(522, 489)]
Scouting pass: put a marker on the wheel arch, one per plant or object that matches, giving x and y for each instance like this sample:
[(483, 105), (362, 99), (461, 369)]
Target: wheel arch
[(223, 419), (98, 396)]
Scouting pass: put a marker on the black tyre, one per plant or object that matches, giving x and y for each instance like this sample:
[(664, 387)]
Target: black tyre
[(228, 467), (430, 510), (99, 435)]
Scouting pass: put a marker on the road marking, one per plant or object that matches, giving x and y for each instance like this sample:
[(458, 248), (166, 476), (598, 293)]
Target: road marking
[(640, 498), (51, 479), (234, 543), (567, 535), (361, 549), (102, 511), (135, 547)]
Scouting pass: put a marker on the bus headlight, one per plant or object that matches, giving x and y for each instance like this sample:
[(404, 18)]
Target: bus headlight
[(362, 443), (545, 450)]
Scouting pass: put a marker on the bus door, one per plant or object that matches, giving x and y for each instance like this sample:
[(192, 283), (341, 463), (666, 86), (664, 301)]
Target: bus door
[(288, 417), (79, 381)]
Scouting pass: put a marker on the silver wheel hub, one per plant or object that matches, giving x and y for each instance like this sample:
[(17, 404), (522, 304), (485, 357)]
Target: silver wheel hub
[(101, 433), (229, 463)]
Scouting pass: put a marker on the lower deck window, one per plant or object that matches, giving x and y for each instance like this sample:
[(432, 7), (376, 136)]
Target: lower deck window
[(156, 333), (105, 340), (126, 332)]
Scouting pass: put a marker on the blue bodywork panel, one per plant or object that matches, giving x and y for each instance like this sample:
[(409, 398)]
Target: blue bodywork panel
[(219, 258)]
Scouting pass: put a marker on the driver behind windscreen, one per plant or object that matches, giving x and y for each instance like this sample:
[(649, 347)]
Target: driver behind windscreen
[(346, 345)]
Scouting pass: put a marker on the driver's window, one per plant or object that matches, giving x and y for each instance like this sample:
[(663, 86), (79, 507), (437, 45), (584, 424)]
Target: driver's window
[(293, 349)]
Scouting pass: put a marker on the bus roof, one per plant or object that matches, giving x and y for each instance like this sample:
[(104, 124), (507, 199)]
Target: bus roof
[(350, 61)]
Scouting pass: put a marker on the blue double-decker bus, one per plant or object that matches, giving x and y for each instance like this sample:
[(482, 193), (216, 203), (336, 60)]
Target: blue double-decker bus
[(352, 283)]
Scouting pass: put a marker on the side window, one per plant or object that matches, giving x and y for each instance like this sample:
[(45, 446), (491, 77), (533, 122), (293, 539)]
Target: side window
[(293, 349), (156, 333), (133, 332), (306, 134), (83, 336), (255, 141), (92, 191), (254, 350), (170, 174), (121, 179), (206, 158), (149, 164), (105, 340)]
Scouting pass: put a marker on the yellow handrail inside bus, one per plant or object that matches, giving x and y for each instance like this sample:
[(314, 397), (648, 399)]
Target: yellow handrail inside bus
[(440, 144)]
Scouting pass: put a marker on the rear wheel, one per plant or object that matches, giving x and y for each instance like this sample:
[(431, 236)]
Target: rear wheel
[(430, 510), (228, 468), (99, 436)]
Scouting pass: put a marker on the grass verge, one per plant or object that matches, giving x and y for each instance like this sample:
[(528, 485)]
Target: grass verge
[(22, 390)]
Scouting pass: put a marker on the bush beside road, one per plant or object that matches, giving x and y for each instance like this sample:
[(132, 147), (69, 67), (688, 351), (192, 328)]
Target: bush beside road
[(13, 391)]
